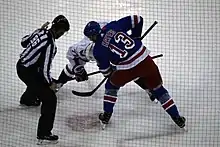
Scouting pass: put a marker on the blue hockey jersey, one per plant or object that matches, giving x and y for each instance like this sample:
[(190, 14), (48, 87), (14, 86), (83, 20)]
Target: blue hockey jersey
[(116, 46)]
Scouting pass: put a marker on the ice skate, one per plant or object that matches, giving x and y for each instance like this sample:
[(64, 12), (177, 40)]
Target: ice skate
[(104, 119), (180, 121), (33, 103), (29, 99), (153, 99), (47, 139)]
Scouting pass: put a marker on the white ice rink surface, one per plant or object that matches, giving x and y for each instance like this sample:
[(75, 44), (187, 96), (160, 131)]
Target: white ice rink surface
[(188, 34)]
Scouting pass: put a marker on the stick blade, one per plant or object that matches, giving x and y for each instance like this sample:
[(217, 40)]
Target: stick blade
[(82, 94), (157, 56), (90, 93)]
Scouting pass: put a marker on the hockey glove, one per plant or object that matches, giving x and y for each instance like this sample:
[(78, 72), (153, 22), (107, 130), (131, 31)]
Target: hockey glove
[(53, 86), (56, 85), (80, 73)]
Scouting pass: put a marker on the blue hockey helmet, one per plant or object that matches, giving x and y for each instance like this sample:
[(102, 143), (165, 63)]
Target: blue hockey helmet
[(92, 28)]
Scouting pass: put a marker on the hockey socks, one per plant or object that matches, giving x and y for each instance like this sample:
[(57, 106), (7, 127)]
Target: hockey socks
[(166, 101), (109, 102), (169, 106)]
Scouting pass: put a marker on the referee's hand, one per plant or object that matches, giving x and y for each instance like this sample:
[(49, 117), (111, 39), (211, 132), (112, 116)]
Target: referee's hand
[(53, 86)]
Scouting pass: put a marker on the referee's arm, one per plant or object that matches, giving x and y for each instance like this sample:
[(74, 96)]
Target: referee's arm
[(25, 41), (47, 63)]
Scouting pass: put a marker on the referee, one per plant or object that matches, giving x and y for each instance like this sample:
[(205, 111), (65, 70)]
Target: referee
[(33, 68)]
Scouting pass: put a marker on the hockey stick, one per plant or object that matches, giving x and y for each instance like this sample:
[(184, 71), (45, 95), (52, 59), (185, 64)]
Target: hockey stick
[(89, 74), (157, 56), (149, 29), (86, 94), (96, 72)]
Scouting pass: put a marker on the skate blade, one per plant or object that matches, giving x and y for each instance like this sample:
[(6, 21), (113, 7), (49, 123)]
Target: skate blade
[(46, 142), (156, 101), (102, 125), (185, 129), (23, 106)]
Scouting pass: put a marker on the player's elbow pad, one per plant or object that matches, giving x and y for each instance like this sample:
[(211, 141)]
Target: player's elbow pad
[(136, 30)]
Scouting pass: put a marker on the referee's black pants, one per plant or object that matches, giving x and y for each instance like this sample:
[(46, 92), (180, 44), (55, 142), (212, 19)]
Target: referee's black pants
[(36, 83)]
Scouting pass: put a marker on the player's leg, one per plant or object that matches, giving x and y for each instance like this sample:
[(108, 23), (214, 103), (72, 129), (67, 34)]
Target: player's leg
[(29, 97), (110, 98), (48, 111), (49, 100), (153, 80), (140, 82), (118, 79), (121, 77)]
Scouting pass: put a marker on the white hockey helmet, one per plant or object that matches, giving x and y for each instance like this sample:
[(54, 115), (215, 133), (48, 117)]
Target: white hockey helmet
[(89, 51)]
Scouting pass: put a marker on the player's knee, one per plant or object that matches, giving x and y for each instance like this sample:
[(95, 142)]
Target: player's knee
[(109, 85), (161, 94)]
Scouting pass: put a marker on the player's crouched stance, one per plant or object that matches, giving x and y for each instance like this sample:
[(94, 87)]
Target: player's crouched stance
[(77, 60), (132, 60), (78, 55)]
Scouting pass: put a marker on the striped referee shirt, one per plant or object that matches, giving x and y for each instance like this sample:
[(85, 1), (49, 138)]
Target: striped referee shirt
[(39, 52)]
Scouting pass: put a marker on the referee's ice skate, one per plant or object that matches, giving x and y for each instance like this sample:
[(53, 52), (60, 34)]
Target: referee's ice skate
[(47, 139)]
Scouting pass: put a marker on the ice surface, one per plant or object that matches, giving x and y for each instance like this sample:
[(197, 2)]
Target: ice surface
[(187, 34)]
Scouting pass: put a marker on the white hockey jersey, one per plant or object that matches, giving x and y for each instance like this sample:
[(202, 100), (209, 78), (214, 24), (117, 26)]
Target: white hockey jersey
[(76, 56)]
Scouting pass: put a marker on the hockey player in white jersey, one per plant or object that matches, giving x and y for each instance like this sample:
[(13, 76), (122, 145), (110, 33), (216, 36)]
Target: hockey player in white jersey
[(78, 54), (77, 59)]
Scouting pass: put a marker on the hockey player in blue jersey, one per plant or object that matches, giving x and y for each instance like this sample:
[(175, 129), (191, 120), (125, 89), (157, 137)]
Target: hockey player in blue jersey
[(114, 46), (78, 56)]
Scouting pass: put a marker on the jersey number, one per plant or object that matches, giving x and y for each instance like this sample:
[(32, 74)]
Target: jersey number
[(126, 40), (35, 40)]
